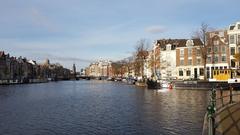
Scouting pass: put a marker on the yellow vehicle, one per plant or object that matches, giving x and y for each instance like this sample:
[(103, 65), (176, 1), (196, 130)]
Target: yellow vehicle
[(225, 74)]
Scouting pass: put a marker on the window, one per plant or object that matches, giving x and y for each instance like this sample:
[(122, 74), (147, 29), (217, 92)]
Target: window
[(232, 50), (215, 49), (223, 49), (189, 52), (198, 61), (238, 26), (181, 53), (239, 39), (231, 39), (201, 71), (209, 50), (189, 61), (209, 59), (181, 62), (198, 52), (224, 58), (188, 72), (232, 63), (215, 59), (215, 42), (180, 73)]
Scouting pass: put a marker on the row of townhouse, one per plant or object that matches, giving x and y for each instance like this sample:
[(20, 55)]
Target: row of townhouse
[(180, 58), (184, 59), (102, 68), (19, 69)]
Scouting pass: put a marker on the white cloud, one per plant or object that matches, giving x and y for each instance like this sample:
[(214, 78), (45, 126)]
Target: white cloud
[(155, 29)]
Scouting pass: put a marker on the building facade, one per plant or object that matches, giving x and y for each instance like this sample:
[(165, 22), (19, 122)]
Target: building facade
[(188, 60), (234, 42), (218, 55)]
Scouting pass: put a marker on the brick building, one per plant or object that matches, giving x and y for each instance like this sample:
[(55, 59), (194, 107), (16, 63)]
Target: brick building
[(218, 54), (188, 59)]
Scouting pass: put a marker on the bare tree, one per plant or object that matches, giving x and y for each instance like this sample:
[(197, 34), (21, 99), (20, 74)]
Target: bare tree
[(201, 34), (141, 56)]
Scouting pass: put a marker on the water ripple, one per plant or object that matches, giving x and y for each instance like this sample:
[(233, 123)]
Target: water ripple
[(99, 108)]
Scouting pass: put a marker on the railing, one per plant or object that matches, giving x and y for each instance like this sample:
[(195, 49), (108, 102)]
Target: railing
[(216, 105)]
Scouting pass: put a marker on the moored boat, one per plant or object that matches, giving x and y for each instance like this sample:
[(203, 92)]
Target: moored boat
[(153, 84)]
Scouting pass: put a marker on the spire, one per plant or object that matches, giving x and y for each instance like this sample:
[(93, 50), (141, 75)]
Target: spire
[(74, 69)]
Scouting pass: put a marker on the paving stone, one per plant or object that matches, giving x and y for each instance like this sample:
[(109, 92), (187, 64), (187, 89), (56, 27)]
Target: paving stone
[(225, 124), (233, 131), (234, 108)]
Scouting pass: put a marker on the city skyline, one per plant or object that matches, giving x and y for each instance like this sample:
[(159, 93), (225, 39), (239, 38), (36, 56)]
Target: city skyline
[(80, 31)]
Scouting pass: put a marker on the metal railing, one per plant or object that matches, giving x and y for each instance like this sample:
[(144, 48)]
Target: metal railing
[(217, 104)]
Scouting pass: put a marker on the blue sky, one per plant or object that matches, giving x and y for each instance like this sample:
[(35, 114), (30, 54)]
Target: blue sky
[(81, 31)]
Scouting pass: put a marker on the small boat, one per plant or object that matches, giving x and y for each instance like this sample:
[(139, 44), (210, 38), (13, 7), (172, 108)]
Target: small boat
[(153, 84), (166, 84), (110, 79)]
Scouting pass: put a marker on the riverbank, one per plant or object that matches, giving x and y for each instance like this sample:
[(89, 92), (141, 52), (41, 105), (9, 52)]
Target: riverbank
[(23, 81), (204, 85)]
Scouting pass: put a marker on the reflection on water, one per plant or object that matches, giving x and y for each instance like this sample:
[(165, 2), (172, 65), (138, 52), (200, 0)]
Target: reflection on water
[(98, 107)]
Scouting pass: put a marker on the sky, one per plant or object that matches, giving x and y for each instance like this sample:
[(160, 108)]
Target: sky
[(83, 31)]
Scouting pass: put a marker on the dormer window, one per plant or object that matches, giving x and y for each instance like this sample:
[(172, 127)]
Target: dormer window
[(169, 46), (189, 43)]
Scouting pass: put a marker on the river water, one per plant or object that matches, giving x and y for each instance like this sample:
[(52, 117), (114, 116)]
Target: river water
[(99, 108)]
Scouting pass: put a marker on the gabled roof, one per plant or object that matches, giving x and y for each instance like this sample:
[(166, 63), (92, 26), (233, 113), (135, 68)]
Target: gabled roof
[(178, 42)]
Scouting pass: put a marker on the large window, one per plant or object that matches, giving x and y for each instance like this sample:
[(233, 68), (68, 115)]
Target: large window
[(188, 72), (209, 50), (232, 63), (181, 62), (232, 50), (189, 61), (239, 39), (224, 58), (180, 73), (215, 59), (189, 52), (198, 61), (223, 49), (201, 71), (198, 51), (181, 53), (209, 59), (232, 39), (215, 49)]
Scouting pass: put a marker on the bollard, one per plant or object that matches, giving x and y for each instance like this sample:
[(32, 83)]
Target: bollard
[(230, 100)]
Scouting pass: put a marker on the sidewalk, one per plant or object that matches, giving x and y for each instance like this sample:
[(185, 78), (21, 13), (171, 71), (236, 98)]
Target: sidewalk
[(228, 120)]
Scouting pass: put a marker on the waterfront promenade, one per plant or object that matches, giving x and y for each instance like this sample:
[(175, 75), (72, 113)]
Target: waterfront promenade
[(227, 115), (228, 120)]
